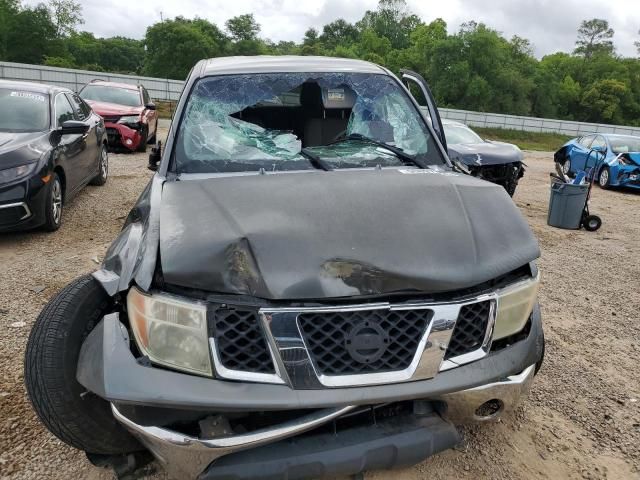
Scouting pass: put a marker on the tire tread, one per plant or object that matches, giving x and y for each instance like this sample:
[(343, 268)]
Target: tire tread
[(84, 422)]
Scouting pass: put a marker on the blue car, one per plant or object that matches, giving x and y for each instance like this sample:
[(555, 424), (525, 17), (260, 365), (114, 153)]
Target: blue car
[(616, 158)]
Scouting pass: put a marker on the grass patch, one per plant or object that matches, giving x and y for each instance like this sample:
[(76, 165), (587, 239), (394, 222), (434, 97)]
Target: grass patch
[(542, 141), (165, 108)]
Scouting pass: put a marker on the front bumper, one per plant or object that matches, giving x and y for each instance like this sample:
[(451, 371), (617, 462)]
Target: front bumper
[(270, 454), (122, 135), (22, 204), (107, 368)]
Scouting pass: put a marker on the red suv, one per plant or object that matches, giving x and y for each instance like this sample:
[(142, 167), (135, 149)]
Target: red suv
[(129, 114)]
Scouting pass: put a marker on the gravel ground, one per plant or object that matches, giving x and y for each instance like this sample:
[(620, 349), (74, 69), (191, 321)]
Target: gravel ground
[(582, 419)]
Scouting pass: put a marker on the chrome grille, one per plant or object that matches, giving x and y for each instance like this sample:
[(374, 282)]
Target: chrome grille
[(240, 342), (364, 341), (470, 330)]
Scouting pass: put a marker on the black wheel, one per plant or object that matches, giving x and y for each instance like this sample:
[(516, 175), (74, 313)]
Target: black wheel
[(142, 147), (539, 362), (604, 179), (103, 166), (81, 419), (53, 207), (591, 223)]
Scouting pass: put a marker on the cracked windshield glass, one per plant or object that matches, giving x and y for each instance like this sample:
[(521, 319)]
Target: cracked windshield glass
[(286, 121)]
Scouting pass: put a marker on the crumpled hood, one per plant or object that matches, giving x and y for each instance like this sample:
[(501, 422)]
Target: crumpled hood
[(112, 109), (485, 153), (343, 233)]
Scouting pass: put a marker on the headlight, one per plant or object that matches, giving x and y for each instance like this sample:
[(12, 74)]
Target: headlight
[(14, 173), (515, 304), (170, 332), (129, 119)]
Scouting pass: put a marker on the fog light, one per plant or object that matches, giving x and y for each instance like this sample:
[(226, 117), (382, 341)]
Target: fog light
[(128, 141), (489, 409)]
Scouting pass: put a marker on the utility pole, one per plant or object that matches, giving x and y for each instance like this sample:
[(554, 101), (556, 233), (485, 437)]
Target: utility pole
[(161, 19)]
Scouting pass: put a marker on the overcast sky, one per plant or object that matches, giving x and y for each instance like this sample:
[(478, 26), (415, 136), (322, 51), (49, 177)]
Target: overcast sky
[(549, 24)]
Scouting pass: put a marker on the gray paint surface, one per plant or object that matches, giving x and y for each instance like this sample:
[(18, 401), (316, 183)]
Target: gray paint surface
[(344, 233)]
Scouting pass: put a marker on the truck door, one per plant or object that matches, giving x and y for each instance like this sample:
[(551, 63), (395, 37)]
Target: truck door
[(414, 82)]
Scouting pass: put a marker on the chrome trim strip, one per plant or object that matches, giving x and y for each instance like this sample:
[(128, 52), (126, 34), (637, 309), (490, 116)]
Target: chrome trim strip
[(19, 204), (187, 457), (486, 343), (242, 375)]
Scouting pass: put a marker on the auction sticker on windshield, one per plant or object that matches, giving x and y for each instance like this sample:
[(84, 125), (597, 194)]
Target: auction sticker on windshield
[(32, 96)]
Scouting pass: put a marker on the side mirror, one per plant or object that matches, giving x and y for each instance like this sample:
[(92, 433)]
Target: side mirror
[(74, 127), (155, 156), (150, 106)]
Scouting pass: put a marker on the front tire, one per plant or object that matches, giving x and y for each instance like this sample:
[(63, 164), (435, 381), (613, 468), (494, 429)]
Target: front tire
[(566, 167), (604, 179), (54, 203), (78, 418), (103, 167)]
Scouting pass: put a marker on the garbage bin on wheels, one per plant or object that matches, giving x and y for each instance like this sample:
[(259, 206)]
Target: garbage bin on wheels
[(567, 204)]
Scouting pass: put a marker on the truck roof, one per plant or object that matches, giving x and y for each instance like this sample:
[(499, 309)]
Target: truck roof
[(285, 63), (32, 86)]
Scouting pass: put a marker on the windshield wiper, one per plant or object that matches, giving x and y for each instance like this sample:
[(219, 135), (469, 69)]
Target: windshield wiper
[(315, 160), (397, 151)]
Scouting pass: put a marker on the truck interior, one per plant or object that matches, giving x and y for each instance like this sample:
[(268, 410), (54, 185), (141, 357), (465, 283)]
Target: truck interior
[(316, 115)]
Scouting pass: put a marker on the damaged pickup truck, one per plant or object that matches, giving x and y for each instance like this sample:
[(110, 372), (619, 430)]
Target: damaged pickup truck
[(306, 287)]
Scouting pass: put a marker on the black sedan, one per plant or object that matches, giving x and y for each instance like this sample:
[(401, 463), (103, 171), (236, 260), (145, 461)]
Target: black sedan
[(51, 145), (495, 162)]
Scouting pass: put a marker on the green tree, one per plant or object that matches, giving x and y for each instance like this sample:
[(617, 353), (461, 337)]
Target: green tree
[(338, 33), (66, 16), (243, 27), (283, 48), (602, 101), (30, 36), (594, 37), (174, 46), (311, 43), (391, 20), (8, 11), (120, 54)]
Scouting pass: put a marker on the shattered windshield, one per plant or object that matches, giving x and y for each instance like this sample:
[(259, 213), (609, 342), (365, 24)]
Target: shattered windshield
[(276, 121)]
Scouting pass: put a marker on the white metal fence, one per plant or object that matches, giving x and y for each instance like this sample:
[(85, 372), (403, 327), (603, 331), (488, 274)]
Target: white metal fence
[(159, 89), (532, 124), (164, 89)]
